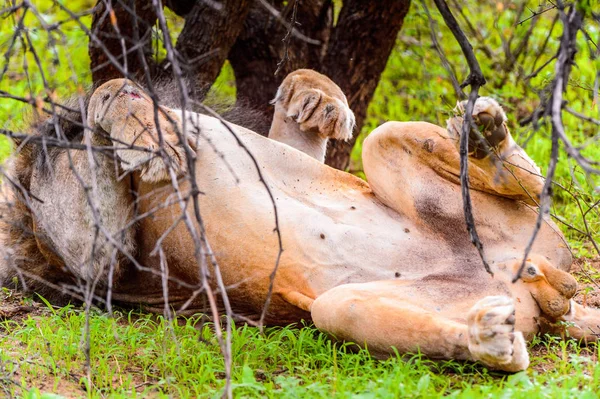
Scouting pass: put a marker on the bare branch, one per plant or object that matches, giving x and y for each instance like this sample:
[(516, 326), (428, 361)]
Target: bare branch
[(571, 24), (475, 80)]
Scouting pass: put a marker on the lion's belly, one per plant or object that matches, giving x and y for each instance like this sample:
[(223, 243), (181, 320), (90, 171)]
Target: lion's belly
[(329, 237), (333, 229), (325, 244)]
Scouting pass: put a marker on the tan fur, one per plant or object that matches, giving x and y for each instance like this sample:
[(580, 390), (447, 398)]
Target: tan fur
[(384, 264), (309, 110)]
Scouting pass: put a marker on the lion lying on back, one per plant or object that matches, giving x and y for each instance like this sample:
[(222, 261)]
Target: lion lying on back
[(387, 264)]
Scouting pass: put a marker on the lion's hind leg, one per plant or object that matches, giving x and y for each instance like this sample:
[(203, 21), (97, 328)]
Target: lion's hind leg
[(389, 314), (407, 162), (499, 165), (492, 336)]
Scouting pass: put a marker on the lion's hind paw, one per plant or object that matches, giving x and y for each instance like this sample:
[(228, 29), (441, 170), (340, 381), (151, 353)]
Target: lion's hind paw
[(492, 336), (490, 119)]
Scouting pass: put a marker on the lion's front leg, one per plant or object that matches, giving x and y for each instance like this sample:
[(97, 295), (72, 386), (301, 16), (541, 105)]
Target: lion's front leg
[(129, 116), (385, 315), (309, 110)]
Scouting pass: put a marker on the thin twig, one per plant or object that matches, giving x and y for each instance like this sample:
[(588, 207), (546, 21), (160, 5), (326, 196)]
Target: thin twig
[(571, 24)]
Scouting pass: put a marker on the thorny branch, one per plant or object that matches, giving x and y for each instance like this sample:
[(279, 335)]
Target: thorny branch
[(445, 63), (289, 26), (511, 62), (286, 40)]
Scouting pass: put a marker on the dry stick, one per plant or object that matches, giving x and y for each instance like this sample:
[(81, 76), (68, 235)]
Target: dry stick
[(291, 28), (581, 116), (535, 14), (587, 228), (89, 285), (512, 56), (191, 164), (533, 74), (474, 31), (475, 79), (507, 42), (20, 27), (277, 229), (200, 222), (567, 49), (286, 40), (542, 49)]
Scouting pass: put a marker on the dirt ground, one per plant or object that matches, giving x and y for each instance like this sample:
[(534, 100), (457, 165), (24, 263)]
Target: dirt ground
[(588, 293)]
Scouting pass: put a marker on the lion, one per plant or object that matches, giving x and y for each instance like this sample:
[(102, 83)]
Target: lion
[(385, 263)]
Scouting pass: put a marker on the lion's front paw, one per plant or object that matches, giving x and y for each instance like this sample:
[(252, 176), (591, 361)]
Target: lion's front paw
[(152, 160), (492, 337), (317, 104), (490, 119), (315, 111)]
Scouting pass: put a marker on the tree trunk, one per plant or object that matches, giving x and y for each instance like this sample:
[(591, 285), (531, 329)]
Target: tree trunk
[(352, 53), (260, 48), (359, 48), (181, 7), (111, 30), (209, 32)]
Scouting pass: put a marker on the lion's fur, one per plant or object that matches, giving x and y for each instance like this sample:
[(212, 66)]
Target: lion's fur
[(25, 257), (23, 261), (386, 263)]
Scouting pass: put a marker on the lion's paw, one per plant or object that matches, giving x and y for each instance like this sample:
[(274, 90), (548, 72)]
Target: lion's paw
[(150, 159), (490, 119), (317, 104), (492, 337)]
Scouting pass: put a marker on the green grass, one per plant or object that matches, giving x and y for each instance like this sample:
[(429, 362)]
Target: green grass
[(138, 355)]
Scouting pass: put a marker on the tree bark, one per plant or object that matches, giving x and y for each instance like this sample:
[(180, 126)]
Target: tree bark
[(209, 32), (359, 48), (112, 30), (353, 53), (260, 48), (181, 7)]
